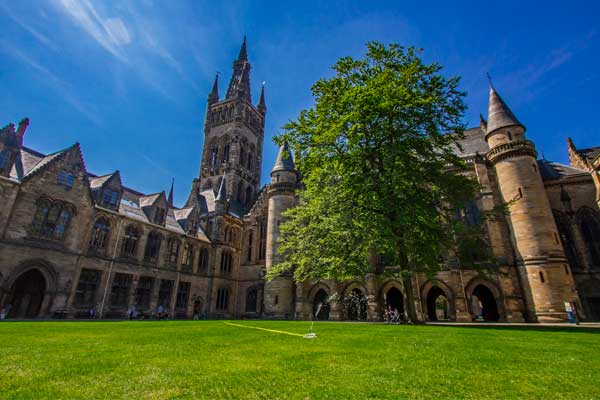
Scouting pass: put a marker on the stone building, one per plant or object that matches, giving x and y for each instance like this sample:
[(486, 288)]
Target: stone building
[(71, 241)]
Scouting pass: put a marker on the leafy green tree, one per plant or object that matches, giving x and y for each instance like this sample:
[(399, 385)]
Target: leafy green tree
[(382, 181)]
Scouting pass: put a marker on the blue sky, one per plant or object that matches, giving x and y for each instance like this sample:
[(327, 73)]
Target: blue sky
[(129, 79)]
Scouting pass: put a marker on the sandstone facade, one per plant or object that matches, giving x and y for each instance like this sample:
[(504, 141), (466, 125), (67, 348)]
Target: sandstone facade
[(72, 241)]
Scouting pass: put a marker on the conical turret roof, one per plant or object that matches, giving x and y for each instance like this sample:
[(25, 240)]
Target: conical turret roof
[(284, 161), (499, 115)]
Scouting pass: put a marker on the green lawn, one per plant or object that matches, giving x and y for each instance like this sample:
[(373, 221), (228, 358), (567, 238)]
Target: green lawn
[(209, 359)]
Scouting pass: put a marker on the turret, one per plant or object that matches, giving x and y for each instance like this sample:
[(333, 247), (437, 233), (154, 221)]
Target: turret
[(541, 262), (239, 86), (278, 293), (262, 107), (213, 97)]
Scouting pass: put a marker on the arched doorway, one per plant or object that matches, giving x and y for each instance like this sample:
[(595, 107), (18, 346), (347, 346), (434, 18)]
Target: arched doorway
[(483, 304), (321, 305), (356, 305), (438, 307), (27, 295), (394, 300)]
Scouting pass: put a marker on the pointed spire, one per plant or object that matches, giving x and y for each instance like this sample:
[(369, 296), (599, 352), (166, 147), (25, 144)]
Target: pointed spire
[(239, 85), (213, 97), (284, 161), (482, 123), (170, 198), (499, 115), (243, 56), (222, 195), (262, 107)]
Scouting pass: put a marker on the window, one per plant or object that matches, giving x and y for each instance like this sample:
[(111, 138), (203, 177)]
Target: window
[(222, 299), (226, 153), (183, 294), (469, 214), (192, 227), (240, 192), (250, 159), (4, 161), (242, 155), (164, 293), (250, 234), (262, 246), (542, 277), (203, 260), (159, 216), (248, 195), (89, 280), (173, 251), (119, 295), (226, 258), (66, 179), (130, 241), (509, 136), (153, 246), (99, 238), (251, 299), (143, 292), (590, 230), (109, 198), (51, 219), (188, 256)]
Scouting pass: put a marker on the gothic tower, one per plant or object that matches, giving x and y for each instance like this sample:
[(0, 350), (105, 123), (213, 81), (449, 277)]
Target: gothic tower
[(278, 293), (233, 138), (542, 266)]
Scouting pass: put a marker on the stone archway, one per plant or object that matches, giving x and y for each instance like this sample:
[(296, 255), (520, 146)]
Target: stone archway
[(27, 294), (484, 305), (394, 300), (438, 307), (321, 306), (356, 305)]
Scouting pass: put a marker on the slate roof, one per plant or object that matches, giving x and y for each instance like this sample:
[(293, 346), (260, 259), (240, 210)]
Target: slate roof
[(551, 170), (590, 153), (473, 143), (96, 182)]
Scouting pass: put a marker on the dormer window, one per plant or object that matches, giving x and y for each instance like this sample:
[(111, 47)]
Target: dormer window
[(66, 179), (159, 216), (109, 198)]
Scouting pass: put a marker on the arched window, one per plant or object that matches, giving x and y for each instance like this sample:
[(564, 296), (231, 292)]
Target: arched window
[(240, 192), (251, 299), (51, 219), (99, 239), (222, 299), (226, 153), (188, 256), (226, 261), (130, 241), (262, 244), (242, 154), (250, 160), (590, 230), (250, 244), (566, 238), (153, 247), (203, 260), (248, 195), (173, 250)]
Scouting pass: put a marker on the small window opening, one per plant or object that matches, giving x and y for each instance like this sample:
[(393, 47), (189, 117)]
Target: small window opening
[(510, 136), (542, 277)]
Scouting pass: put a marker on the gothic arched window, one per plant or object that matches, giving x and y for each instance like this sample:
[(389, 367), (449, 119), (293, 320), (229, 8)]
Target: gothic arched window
[(248, 195), (51, 219), (203, 260), (566, 237), (173, 250), (100, 232), (590, 230), (251, 299), (153, 246), (226, 261), (222, 299), (130, 241)]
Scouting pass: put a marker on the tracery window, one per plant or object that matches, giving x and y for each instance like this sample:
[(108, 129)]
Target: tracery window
[(183, 294), (130, 241), (226, 153), (251, 299), (100, 232), (188, 256), (226, 260), (203, 260), (173, 250), (109, 198), (153, 246), (222, 299), (164, 293), (119, 296), (89, 280), (51, 219), (143, 292)]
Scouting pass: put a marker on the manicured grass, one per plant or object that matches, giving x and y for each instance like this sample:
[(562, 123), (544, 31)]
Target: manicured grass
[(209, 359)]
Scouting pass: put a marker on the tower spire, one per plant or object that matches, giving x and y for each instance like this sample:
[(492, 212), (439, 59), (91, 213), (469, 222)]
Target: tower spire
[(170, 198), (499, 115), (213, 97), (262, 107), (243, 56)]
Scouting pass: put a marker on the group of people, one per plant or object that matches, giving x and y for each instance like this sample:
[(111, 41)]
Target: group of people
[(391, 315), (5, 311)]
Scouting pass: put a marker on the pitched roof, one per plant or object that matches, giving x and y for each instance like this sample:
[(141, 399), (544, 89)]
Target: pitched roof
[(472, 143), (551, 170), (590, 153)]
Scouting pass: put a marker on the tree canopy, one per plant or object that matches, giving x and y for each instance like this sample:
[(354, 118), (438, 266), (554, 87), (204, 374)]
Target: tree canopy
[(381, 178)]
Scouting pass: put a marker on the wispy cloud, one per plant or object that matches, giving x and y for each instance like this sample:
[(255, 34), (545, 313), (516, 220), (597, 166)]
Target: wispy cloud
[(27, 27), (61, 87)]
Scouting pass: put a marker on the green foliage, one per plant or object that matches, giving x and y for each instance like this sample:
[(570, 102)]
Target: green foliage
[(211, 360), (377, 156)]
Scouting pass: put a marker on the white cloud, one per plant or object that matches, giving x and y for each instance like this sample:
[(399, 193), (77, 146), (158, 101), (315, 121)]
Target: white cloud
[(116, 30)]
